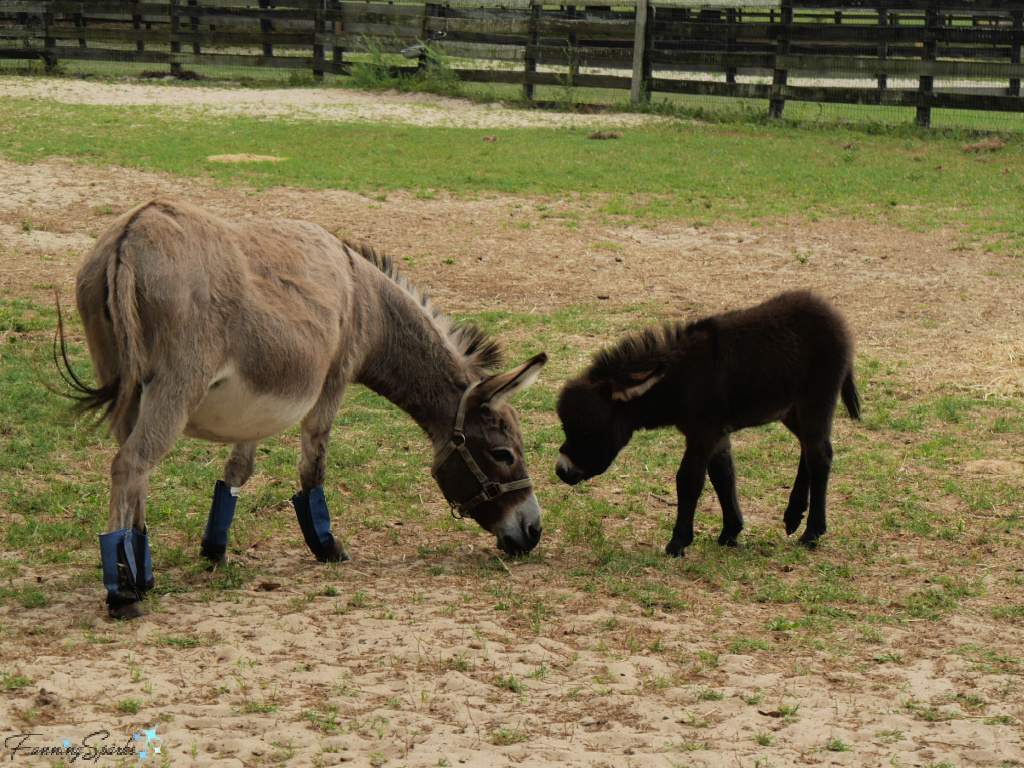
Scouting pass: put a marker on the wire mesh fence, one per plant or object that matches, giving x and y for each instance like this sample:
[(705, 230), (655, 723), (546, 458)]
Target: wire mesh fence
[(953, 63)]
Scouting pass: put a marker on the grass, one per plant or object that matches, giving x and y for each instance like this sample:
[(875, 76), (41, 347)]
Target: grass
[(912, 179), (835, 586)]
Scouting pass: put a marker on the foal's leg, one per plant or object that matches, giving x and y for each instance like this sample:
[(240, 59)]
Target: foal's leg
[(311, 505), (124, 549), (799, 497), (817, 456), (722, 473), (689, 484), (237, 470)]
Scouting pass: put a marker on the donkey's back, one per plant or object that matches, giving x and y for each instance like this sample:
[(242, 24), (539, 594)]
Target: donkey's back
[(793, 349), (247, 316)]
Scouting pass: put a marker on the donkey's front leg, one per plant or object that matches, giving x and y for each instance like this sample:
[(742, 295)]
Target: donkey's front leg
[(722, 473), (237, 471), (311, 505), (689, 484)]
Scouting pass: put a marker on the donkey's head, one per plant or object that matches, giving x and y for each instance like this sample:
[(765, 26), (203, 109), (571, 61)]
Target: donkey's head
[(595, 420), (481, 470)]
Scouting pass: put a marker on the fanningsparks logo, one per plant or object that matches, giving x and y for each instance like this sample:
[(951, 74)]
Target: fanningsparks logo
[(90, 748)]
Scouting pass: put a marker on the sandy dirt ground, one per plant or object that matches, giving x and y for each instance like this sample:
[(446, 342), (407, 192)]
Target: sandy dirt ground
[(383, 661)]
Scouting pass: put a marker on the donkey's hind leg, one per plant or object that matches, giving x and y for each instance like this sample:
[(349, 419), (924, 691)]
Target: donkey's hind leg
[(799, 497), (816, 460), (124, 549), (311, 505), (237, 470), (722, 473)]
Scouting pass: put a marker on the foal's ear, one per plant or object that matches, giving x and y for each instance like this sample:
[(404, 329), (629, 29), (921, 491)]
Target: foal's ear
[(631, 385), (497, 389)]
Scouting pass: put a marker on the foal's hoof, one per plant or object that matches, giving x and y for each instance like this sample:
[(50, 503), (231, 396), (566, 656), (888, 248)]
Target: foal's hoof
[(809, 540), (675, 548), (335, 553), (726, 539), (792, 521), (124, 610)]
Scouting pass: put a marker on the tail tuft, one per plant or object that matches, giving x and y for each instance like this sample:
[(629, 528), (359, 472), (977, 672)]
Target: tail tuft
[(89, 398), (851, 398)]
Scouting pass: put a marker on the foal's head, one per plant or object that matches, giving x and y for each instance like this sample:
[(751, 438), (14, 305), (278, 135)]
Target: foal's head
[(482, 471), (594, 408)]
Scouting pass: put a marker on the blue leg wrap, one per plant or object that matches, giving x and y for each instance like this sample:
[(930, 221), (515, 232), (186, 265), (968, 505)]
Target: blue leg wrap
[(222, 512), (120, 566), (143, 563), (315, 522)]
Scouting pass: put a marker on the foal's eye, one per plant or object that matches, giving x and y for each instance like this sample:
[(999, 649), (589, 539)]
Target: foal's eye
[(503, 456)]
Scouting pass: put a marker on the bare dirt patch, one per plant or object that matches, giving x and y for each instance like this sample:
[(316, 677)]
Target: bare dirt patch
[(326, 104), (382, 662)]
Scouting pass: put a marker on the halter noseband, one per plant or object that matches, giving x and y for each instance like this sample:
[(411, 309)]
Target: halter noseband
[(457, 444)]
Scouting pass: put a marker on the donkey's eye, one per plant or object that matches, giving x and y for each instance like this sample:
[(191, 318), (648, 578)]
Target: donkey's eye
[(503, 456)]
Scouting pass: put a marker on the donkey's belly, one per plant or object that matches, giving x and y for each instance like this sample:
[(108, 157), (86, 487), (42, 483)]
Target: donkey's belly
[(231, 412)]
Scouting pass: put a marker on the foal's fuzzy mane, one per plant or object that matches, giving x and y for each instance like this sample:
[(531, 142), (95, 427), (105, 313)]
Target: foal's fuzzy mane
[(482, 353), (644, 350)]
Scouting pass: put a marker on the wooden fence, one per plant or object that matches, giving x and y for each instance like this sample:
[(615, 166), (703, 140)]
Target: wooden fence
[(922, 54)]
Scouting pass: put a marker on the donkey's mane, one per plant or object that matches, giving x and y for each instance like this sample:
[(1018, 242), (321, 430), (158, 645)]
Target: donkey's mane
[(482, 353), (646, 349)]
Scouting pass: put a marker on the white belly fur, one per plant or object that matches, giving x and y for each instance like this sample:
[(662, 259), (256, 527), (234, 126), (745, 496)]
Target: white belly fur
[(232, 413)]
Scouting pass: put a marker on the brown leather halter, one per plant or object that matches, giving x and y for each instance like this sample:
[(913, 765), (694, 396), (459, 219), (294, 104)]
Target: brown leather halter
[(457, 445)]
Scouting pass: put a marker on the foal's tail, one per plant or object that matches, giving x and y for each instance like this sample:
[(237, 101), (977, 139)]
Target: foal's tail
[(851, 398)]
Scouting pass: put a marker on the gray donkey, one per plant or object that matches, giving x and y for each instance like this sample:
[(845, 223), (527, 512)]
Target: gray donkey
[(232, 332)]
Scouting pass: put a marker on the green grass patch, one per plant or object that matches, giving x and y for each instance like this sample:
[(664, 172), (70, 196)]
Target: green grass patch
[(913, 179)]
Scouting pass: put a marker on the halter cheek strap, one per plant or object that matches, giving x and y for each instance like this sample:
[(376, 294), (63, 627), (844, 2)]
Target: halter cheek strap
[(457, 445)]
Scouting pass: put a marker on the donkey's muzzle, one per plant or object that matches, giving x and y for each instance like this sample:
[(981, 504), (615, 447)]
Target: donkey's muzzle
[(522, 531)]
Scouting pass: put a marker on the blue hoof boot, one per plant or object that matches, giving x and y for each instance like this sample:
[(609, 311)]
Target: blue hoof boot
[(143, 562), (222, 511), (315, 522), (121, 572)]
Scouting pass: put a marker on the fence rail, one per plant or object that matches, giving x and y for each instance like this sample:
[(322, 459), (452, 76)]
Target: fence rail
[(872, 52)]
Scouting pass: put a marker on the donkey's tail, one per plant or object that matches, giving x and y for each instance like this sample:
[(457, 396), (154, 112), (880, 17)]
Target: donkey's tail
[(89, 398), (851, 398)]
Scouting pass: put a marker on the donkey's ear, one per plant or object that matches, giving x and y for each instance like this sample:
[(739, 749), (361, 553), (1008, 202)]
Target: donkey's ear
[(497, 389), (631, 385)]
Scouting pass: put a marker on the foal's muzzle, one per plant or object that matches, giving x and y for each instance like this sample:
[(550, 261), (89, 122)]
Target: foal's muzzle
[(567, 471)]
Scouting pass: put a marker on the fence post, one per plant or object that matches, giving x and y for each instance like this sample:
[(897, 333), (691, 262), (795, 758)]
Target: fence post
[(337, 52), (730, 45), (319, 28), (640, 87), (532, 41), (193, 23), (137, 26), (175, 11), (777, 103), (80, 24), (266, 27), (883, 45), (931, 18), (1018, 25), (49, 43)]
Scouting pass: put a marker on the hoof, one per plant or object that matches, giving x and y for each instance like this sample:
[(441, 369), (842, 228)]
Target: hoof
[(334, 554), (809, 540), (675, 548), (214, 555), (726, 539), (792, 522), (122, 611)]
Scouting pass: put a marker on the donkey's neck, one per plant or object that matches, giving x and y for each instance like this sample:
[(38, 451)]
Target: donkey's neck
[(410, 360)]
